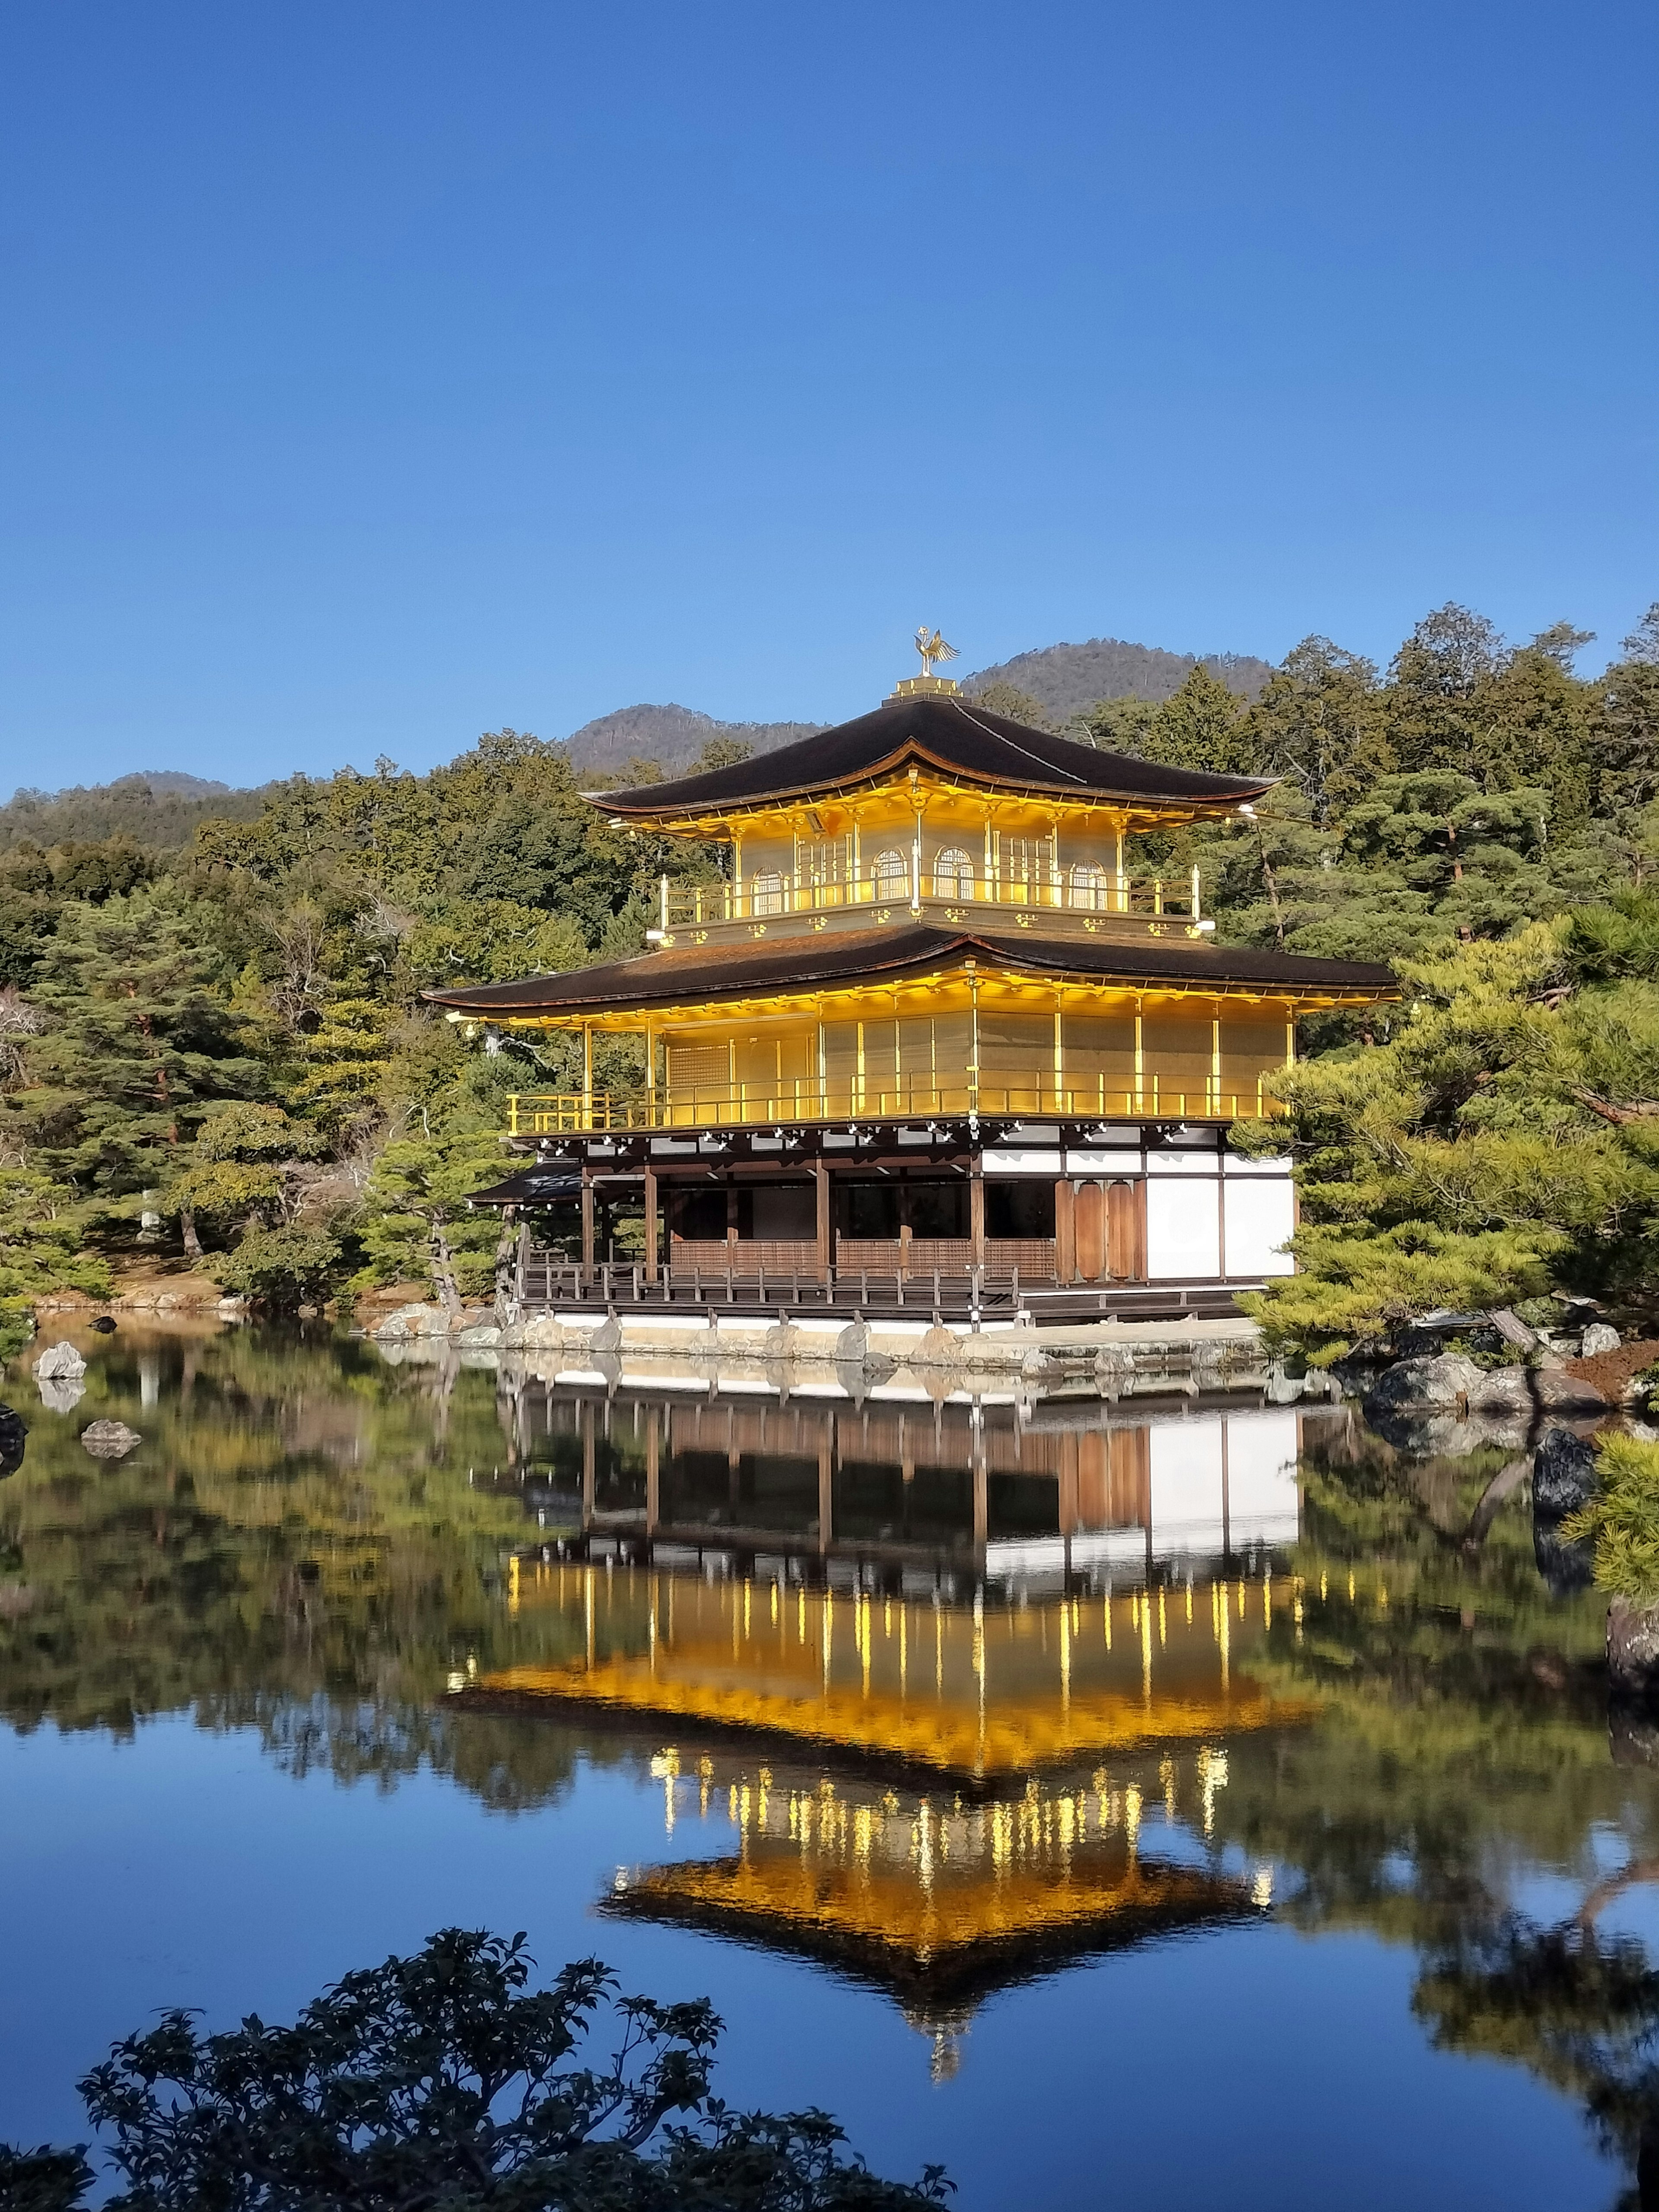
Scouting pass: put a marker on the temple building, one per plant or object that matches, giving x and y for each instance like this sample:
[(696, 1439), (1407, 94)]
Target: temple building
[(928, 1032)]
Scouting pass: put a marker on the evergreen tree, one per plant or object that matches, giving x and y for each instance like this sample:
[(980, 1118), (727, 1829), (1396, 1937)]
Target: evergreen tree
[(1318, 724), (416, 1221), (139, 1045), (1431, 716), (41, 1227), (1202, 726)]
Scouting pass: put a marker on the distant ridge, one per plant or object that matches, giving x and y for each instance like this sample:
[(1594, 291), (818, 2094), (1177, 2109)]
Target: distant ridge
[(1068, 679), (671, 736)]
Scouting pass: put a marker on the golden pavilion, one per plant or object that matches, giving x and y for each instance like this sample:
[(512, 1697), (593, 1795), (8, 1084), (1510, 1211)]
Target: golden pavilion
[(927, 1032)]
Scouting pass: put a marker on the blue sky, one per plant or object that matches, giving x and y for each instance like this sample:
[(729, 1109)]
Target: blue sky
[(374, 374)]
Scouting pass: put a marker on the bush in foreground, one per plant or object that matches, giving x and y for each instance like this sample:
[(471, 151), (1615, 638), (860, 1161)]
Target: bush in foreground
[(441, 2081)]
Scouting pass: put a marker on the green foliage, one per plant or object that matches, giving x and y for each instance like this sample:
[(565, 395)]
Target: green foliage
[(40, 1230), (235, 1168), (282, 1266), (1500, 1143), (416, 1219), (1622, 1519), (1015, 705), (138, 1044), (442, 2080)]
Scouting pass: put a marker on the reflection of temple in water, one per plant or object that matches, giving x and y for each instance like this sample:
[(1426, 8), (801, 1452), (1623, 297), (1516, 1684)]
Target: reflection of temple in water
[(963, 1492), (935, 1902), (981, 1693), (944, 1666)]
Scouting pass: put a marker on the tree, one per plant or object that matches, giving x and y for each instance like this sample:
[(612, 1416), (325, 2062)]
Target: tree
[(1503, 1141), (1201, 726), (417, 1217), (1317, 723), (239, 1169), (443, 2080), (1630, 716), (41, 1229), (1014, 705), (1429, 709), (139, 1044)]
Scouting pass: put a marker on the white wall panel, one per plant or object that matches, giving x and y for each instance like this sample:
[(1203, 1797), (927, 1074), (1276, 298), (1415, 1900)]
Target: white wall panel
[(1183, 1227), (1261, 1216)]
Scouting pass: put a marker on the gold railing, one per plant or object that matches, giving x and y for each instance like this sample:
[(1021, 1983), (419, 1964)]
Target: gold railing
[(765, 897), (804, 1099)]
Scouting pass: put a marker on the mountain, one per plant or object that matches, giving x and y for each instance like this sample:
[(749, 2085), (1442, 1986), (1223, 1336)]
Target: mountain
[(671, 736), (158, 808), (1068, 679)]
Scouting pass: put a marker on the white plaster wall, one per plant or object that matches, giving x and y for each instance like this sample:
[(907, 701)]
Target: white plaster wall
[(1261, 1214), (1183, 1227)]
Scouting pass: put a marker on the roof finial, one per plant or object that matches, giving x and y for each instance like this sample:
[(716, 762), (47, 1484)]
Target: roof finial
[(930, 644)]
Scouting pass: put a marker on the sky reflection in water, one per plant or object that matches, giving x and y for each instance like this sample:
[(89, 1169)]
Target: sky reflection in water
[(1027, 1885)]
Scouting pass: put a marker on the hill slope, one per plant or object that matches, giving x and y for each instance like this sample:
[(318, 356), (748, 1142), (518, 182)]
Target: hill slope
[(1068, 679), (671, 736)]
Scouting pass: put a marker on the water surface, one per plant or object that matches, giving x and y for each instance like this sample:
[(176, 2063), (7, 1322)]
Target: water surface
[(1187, 1792)]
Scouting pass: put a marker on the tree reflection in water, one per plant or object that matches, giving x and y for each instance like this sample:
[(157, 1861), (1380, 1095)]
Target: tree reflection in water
[(321, 1547)]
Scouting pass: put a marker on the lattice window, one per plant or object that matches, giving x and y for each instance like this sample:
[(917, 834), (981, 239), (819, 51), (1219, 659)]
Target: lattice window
[(953, 874), (891, 872), (766, 892), (1089, 885)]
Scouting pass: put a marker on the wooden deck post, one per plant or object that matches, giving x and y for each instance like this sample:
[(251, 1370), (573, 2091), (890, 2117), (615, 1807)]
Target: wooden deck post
[(587, 1218), (821, 1193), (650, 1223), (977, 1210)]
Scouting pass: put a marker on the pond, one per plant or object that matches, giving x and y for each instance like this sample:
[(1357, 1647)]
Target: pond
[(1187, 1790)]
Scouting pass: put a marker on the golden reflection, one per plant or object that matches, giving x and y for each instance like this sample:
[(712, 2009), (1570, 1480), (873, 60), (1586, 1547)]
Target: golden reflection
[(1013, 1689), (941, 1900)]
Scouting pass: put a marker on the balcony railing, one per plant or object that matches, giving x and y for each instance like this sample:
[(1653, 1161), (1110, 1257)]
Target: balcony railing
[(1082, 891), (804, 1100)]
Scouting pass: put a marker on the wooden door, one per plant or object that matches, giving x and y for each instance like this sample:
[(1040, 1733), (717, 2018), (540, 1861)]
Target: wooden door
[(1126, 1231), (1090, 1220)]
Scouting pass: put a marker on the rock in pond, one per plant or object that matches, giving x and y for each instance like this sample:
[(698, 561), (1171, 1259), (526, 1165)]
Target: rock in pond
[(1598, 1337), (1519, 1392), (109, 1439), (1562, 1478), (60, 1363), (1633, 1648), (1424, 1386)]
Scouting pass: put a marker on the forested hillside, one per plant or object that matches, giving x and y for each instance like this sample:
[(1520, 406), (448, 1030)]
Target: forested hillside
[(231, 1020)]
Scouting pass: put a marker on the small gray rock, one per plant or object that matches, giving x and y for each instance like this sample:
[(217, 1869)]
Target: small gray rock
[(484, 1338), (109, 1439), (1599, 1337), (608, 1336), (853, 1345)]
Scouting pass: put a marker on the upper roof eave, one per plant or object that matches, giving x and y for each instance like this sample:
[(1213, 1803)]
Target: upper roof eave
[(953, 740), (794, 967)]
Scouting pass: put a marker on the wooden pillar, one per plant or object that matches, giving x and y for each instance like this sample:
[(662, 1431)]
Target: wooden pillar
[(821, 1193), (587, 1217), (1064, 1230), (650, 1223), (977, 1210)]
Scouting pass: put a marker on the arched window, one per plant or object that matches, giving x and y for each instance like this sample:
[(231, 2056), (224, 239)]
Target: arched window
[(766, 892), (892, 874), (1089, 885), (953, 874)]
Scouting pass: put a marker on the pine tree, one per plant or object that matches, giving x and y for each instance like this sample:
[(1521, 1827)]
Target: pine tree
[(1202, 726), (139, 1045)]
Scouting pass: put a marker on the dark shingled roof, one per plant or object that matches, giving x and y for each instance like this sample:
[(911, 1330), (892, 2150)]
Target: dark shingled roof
[(951, 735), (709, 974)]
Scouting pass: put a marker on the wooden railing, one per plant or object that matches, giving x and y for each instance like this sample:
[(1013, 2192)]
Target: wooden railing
[(806, 1099), (767, 895)]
